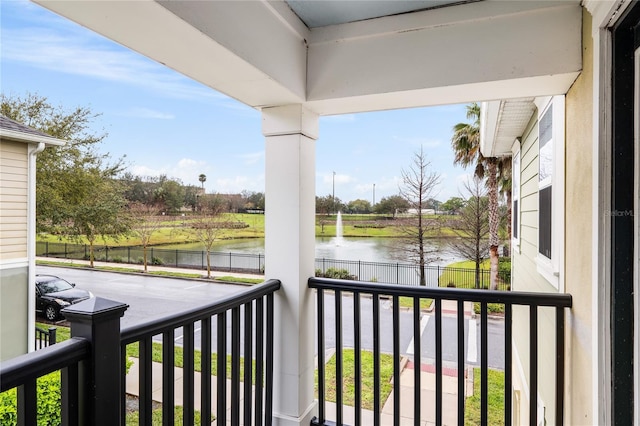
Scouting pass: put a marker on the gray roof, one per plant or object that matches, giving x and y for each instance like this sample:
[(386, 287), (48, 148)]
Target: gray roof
[(11, 129)]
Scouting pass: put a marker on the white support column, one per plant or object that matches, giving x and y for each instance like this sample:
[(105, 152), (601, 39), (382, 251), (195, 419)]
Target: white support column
[(290, 133)]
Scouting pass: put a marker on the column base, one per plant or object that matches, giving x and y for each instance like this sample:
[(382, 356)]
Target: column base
[(304, 419)]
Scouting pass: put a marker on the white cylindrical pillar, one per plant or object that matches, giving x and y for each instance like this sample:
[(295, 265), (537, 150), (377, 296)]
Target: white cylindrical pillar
[(290, 133)]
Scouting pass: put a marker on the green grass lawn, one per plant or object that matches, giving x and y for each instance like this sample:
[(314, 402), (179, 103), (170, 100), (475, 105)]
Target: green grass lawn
[(407, 302), (495, 401), (348, 380)]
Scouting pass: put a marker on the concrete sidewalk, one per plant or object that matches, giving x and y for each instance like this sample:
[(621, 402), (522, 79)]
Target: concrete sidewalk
[(406, 389)]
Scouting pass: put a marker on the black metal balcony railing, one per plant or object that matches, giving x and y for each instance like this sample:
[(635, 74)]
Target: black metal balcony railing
[(92, 392), (92, 363), (258, 350), (357, 290)]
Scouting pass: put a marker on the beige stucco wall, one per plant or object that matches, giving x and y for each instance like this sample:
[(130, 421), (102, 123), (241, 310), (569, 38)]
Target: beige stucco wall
[(578, 238), (13, 199)]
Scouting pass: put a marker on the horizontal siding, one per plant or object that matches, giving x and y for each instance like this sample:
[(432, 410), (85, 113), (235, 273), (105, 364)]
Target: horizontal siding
[(14, 190), (13, 251), (13, 199), (17, 197), (9, 147)]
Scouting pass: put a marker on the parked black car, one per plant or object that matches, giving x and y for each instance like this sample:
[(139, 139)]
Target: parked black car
[(54, 293)]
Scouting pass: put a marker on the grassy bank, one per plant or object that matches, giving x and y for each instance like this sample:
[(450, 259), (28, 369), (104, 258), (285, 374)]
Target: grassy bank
[(174, 230)]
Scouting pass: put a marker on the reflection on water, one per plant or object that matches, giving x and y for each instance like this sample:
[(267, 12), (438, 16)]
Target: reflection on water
[(364, 249)]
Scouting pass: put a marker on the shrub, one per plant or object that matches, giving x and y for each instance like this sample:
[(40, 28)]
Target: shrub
[(156, 261), (49, 405), (335, 273), (492, 308)]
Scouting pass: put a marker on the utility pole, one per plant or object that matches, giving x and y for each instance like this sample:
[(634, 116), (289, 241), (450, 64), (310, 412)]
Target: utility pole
[(374, 195)]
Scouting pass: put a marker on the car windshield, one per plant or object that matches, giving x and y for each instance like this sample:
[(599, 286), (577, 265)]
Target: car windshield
[(54, 285)]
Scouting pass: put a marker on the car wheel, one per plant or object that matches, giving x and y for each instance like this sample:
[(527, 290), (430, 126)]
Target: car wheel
[(51, 313)]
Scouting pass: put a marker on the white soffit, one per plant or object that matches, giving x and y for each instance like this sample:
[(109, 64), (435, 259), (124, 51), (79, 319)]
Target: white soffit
[(321, 13), (260, 53), (501, 122)]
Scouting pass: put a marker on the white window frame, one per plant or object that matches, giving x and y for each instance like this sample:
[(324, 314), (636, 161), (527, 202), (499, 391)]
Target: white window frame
[(516, 217), (551, 269)]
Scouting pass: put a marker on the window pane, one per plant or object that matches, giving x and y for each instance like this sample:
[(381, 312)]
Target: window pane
[(515, 219), (546, 145), (544, 225)]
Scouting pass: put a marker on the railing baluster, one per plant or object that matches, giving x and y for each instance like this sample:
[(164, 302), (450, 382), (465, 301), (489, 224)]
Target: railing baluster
[(396, 361), (235, 366), (205, 373), (168, 377), (417, 360), (221, 376), (188, 368), (560, 367), (376, 359), (508, 359), (259, 360), (533, 367), (27, 403), (69, 395), (269, 363), (484, 366), (321, 361), (145, 381), (357, 363), (461, 367), (338, 323), (248, 364), (438, 325)]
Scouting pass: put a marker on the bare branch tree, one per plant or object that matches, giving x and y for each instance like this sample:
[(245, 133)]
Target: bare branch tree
[(208, 227), (418, 185), (473, 226), (146, 222)]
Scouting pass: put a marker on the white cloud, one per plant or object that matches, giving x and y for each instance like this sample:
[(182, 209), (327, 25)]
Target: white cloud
[(186, 169), (146, 113), (237, 184), (83, 53), (252, 158), (339, 178)]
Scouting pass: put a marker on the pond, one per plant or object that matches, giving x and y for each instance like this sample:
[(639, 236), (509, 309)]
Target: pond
[(385, 250)]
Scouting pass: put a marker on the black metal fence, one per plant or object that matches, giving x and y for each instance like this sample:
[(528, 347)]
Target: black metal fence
[(392, 273), (340, 296), (90, 386), (46, 337)]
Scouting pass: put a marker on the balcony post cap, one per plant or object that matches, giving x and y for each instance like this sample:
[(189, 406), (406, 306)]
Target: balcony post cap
[(95, 309)]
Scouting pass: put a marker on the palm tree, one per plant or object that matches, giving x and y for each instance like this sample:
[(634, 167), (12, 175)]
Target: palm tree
[(202, 178), (466, 146)]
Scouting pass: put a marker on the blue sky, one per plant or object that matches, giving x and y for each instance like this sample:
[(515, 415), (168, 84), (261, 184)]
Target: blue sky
[(165, 123)]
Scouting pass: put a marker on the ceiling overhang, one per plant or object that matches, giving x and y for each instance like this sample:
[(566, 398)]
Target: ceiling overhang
[(262, 54), (501, 123)]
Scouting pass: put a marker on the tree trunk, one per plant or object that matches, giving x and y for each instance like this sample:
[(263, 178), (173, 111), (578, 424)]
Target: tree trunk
[(144, 257), (493, 221), (91, 253), (208, 264)]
